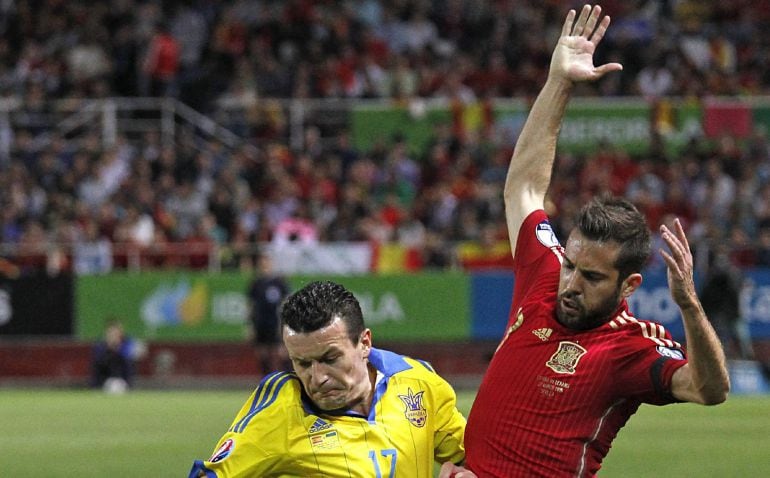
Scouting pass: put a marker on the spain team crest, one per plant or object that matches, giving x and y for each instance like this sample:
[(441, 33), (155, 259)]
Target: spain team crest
[(415, 411), (566, 357)]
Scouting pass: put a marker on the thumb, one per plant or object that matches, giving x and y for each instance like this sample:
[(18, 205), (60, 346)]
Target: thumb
[(446, 470), (600, 71)]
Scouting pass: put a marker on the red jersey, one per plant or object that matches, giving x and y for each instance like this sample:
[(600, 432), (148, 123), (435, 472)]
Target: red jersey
[(553, 399)]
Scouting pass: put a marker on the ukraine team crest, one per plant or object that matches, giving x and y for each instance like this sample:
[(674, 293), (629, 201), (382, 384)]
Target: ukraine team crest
[(566, 358), (415, 411)]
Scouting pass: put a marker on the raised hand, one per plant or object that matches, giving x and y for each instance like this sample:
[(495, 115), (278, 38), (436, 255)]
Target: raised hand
[(573, 57), (680, 265)]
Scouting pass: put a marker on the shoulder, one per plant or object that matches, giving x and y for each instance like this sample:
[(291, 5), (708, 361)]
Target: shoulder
[(535, 238), (392, 364), (272, 395), (421, 371), (421, 368), (276, 386), (643, 334)]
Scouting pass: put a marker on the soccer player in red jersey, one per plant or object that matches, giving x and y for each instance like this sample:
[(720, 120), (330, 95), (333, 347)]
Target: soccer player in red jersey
[(574, 363)]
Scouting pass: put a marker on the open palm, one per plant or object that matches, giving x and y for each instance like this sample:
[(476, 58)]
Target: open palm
[(573, 57)]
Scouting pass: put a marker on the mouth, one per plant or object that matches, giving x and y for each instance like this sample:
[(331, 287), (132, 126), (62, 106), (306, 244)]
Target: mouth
[(569, 306), (325, 393)]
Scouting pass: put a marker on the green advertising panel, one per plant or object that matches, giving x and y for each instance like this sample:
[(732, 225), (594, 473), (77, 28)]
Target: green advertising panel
[(625, 123), (164, 305), (411, 307), (197, 306), (379, 125)]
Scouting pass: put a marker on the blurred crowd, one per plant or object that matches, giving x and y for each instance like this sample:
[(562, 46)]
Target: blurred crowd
[(144, 195), (205, 51)]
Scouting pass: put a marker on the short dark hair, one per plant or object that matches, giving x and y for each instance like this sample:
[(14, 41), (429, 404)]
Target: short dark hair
[(317, 305), (609, 218)]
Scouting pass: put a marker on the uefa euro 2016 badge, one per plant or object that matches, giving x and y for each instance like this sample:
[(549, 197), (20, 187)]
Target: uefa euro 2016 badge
[(223, 451), (566, 357), (415, 412)]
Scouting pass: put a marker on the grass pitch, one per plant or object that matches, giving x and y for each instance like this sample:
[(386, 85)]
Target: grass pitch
[(56, 433)]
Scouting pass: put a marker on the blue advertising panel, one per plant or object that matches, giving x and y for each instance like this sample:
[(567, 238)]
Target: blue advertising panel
[(755, 302), (491, 300), (490, 304)]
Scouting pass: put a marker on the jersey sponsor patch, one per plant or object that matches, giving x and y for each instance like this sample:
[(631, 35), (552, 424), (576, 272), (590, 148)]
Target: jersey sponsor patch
[(223, 451), (415, 411), (566, 357), (545, 235), (670, 352)]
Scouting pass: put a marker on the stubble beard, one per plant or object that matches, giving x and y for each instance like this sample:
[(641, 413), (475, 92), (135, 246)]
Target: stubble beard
[(587, 319)]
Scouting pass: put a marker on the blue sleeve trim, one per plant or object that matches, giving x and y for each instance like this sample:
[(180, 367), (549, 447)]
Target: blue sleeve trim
[(198, 468), (265, 396), (426, 365), (267, 382), (387, 362)]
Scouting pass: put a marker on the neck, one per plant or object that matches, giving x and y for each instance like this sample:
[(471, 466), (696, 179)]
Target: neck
[(365, 404)]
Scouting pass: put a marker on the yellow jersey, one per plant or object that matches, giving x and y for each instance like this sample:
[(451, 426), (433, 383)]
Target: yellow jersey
[(278, 432)]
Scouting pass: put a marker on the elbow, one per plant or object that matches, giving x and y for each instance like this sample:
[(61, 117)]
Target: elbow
[(717, 395), (714, 399)]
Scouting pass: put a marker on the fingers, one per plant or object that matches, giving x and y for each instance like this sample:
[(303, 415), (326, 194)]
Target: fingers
[(671, 263), (586, 24), (450, 470), (600, 30), (679, 229), (679, 260), (677, 251), (591, 22), (446, 470), (677, 240), (567, 27), (580, 24)]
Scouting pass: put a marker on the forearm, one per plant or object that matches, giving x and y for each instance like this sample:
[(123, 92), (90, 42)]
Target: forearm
[(707, 381), (533, 157)]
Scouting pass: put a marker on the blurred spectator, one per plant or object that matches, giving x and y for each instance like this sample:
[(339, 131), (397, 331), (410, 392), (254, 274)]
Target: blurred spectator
[(655, 80), (721, 298), (114, 359), (266, 292), (92, 252), (160, 64)]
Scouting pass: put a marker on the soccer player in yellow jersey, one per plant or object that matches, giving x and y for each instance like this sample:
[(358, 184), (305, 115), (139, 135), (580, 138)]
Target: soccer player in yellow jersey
[(347, 410)]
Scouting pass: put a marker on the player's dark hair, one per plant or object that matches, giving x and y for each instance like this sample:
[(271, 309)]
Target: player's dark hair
[(317, 305), (609, 218)]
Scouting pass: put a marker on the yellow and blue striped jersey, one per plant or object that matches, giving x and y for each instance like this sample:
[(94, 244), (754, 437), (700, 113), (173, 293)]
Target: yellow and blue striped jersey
[(278, 432)]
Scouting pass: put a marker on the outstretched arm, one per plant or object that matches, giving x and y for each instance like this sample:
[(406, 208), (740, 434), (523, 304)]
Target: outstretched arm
[(704, 378), (529, 172)]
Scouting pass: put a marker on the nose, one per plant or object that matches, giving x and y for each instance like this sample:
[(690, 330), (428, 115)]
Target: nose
[(318, 374), (572, 283)]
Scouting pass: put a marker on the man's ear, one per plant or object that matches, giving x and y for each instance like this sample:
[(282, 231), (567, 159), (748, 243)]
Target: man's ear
[(366, 341), (630, 284)]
